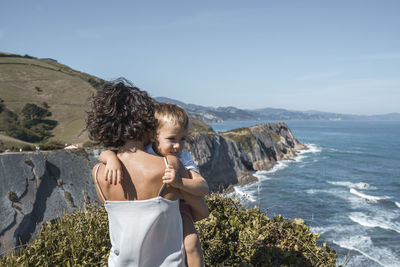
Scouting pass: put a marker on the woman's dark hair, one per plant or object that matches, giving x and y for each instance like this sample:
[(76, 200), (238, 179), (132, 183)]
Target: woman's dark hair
[(119, 112)]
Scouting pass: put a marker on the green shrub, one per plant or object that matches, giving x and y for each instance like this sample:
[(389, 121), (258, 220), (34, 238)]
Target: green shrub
[(52, 145), (230, 236), (28, 148), (233, 235), (198, 126), (274, 136), (77, 239), (90, 144), (243, 138), (11, 196), (1, 105), (96, 83)]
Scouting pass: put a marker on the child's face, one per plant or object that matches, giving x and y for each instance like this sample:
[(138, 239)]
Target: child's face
[(170, 139)]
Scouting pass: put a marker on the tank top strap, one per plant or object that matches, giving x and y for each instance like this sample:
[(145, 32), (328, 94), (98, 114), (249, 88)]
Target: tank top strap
[(163, 186), (97, 183)]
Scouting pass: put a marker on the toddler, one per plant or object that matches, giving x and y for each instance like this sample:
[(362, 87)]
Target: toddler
[(171, 132)]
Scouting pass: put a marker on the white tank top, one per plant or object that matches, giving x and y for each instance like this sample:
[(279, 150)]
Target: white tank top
[(145, 232)]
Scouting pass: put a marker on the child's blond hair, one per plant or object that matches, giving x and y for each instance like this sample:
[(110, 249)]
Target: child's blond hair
[(171, 113)]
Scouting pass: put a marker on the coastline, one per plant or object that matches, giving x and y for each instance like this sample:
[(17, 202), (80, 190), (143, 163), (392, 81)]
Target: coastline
[(45, 187), (261, 174), (230, 158)]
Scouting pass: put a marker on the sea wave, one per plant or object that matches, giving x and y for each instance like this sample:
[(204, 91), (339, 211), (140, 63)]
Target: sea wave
[(315, 191), (397, 204), (299, 158), (322, 230), (311, 148), (376, 221), (367, 197), (242, 192), (279, 166), (360, 185), (364, 246)]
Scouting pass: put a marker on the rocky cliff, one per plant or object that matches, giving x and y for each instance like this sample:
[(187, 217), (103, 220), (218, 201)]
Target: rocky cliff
[(228, 158), (40, 186)]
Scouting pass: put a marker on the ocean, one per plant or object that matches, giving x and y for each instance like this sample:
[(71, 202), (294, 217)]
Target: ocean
[(346, 186)]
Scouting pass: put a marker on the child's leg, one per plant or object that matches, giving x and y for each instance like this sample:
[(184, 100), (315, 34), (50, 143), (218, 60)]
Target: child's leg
[(194, 254)]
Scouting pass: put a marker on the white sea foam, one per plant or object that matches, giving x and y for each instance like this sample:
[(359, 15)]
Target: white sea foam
[(365, 246), (279, 166), (323, 230), (397, 204), (376, 221), (360, 185), (248, 191), (242, 192), (314, 191), (262, 175), (367, 197), (336, 229), (311, 148), (335, 192), (299, 158)]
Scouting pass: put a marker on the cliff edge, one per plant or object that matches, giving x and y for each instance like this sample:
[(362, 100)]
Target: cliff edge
[(228, 158)]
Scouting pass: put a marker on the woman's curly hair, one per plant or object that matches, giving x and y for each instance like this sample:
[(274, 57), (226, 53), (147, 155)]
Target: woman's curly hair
[(120, 112)]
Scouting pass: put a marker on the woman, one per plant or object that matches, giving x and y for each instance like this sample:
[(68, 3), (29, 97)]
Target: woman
[(144, 220)]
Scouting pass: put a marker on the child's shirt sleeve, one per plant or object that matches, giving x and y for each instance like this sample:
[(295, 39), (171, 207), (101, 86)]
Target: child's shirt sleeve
[(187, 161)]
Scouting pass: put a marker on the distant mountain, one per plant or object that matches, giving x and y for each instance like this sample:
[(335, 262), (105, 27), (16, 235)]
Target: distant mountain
[(212, 114), (219, 114)]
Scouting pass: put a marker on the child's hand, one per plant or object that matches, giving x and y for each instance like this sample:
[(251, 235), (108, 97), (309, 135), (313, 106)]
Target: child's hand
[(114, 171), (172, 177)]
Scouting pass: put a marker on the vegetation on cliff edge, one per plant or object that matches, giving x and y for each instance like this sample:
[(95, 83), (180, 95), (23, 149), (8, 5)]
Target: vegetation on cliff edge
[(243, 138), (230, 236)]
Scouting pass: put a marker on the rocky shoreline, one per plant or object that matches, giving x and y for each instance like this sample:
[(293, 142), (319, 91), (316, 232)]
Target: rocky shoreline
[(228, 158), (41, 186)]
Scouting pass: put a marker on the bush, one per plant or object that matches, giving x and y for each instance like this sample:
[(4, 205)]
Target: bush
[(90, 144), (11, 196), (21, 133), (95, 83), (52, 145), (77, 239), (1, 105), (231, 235), (28, 148)]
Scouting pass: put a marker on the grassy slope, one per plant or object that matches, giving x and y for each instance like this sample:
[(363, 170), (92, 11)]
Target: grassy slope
[(198, 126), (8, 141), (64, 89)]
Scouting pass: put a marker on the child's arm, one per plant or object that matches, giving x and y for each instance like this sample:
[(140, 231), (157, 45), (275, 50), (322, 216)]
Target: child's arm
[(113, 171), (172, 176), (198, 206), (194, 184)]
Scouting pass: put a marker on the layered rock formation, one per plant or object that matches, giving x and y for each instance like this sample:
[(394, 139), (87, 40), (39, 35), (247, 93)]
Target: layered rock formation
[(228, 158), (39, 186)]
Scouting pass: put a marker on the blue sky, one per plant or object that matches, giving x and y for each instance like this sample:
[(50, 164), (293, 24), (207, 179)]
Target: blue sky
[(335, 56)]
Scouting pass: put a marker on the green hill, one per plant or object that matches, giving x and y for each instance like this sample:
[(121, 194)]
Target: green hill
[(25, 79)]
